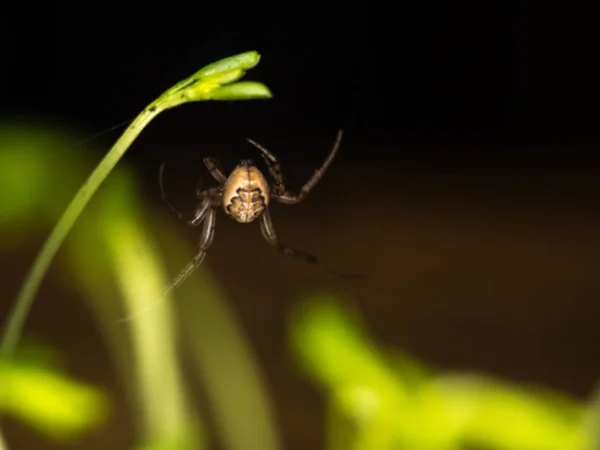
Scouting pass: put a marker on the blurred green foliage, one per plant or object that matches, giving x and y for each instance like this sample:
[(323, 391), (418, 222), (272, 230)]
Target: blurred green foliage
[(31, 160), (386, 400), (36, 391)]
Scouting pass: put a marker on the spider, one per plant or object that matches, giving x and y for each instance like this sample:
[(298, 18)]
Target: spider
[(245, 196)]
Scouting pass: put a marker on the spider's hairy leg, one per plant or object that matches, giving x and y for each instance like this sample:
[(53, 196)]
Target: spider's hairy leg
[(274, 167), (208, 234), (268, 232), (291, 199), (164, 195), (213, 167)]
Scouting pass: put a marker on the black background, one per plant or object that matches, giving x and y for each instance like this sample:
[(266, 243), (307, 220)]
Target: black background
[(493, 73)]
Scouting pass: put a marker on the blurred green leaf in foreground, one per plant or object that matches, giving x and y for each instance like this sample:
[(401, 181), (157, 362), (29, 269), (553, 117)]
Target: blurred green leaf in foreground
[(44, 398), (382, 400)]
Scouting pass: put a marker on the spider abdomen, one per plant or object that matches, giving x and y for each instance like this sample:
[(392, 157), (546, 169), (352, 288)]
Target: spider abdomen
[(246, 193)]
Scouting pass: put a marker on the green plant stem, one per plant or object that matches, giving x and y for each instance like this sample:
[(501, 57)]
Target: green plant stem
[(24, 301)]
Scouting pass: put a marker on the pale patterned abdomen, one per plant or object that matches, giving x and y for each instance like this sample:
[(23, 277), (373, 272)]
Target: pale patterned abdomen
[(246, 194)]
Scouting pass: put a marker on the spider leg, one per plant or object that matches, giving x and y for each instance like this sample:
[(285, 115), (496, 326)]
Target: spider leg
[(274, 167), (202, 209), (211, 198), (208, 234), (268, 232), (291, 199), (213, 167)]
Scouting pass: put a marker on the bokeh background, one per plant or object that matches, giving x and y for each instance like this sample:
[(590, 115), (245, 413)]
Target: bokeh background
[(466, 186)]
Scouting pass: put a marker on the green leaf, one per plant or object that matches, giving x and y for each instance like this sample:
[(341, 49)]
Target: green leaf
[(243, 61), (50, 402), (244, 90)]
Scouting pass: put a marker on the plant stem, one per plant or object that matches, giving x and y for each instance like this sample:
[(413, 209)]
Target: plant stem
[(24, 300)]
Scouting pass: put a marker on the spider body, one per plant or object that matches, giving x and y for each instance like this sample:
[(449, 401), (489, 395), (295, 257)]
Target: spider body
[(245, 196), (246, 193)]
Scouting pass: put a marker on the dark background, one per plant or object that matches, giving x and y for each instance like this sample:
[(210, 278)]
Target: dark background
[(506, 85), (501, 70), (466, 185)]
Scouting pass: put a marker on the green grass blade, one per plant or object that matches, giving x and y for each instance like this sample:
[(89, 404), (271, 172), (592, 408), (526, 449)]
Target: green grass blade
[(24, 301)]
